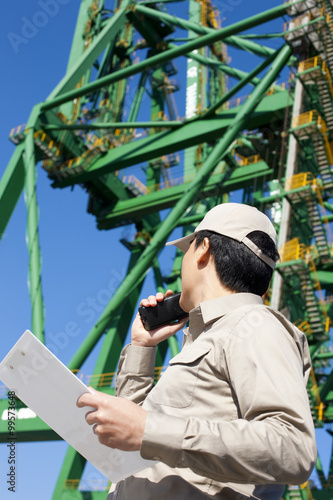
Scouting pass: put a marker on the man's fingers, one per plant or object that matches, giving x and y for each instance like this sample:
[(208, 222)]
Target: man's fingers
[(92, 417), (153, 299), (89, 399)]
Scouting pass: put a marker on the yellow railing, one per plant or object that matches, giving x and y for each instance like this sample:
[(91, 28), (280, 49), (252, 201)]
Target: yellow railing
[(131, 179), (301, 180), (91, 485), (317, 62), (17, 130), (319, 405), (305, 118), (160, 186), (297, 22), (105, 379), (304, 19), (293, 250), (247, 160), (240, 100), (304, 326), (42, 137), (310, 118), (306, 486), (313, 62)]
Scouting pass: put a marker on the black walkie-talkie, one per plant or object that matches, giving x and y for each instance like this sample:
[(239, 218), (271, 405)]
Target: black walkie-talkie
[(166, 311)]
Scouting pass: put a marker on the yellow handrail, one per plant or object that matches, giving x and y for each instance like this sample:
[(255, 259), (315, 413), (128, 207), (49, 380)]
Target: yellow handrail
[(301, 180), (247, 160), (317, 62), (292, 250)]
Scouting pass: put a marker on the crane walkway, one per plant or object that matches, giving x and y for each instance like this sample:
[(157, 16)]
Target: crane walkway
[(302, 492), (311, 196), (311, 126), (315, 72), (297, 260)]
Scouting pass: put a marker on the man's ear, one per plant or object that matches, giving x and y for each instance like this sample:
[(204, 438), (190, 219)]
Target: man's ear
[(203, 252)]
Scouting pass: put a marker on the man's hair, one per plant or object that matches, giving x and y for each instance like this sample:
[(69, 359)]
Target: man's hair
[(237, 267)]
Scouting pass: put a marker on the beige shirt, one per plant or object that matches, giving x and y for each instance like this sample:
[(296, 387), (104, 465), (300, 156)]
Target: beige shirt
[(230, 417)]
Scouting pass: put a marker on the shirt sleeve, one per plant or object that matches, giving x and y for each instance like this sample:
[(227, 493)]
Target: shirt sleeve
[(272, 441), (135, 375)]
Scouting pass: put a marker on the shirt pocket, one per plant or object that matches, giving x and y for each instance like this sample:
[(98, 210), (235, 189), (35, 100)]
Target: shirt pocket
[(177, 385)]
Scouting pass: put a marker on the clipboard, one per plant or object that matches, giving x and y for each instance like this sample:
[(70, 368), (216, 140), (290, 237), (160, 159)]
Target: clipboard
[(51, 390)]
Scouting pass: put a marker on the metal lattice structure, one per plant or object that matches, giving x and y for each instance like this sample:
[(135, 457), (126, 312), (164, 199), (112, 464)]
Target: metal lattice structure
[(117, 126)]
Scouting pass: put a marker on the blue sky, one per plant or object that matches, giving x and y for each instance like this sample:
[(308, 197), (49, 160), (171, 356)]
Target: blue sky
[(79, 262)]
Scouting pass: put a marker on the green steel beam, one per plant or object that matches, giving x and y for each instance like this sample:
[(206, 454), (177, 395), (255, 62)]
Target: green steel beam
[(320, 472), (11, 187), (323, 355), (77, 47), (170, 222), (228, 70), (136, 208), (165, 56), (326, 387), (172, 342), (72, 468), (110, 125), (252, 47), (26, 429), (325, 278), (106, 363), (89, 56), (328, 206), (244, 81), (327, 218), (114, 338), (35, 284), (135, 108), (74, 494), (167, 142)]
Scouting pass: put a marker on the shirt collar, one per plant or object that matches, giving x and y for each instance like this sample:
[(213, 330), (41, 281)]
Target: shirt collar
[(214, 309)]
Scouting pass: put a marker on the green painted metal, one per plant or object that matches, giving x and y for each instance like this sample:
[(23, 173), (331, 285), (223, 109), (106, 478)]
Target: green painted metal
[(35, 284), (72, 469), (88, 57), (11, 186), (172, 141), (28, 427), (78, 46), (158, 59), (194, 27), (170, 222), (239, 148), (166, 198)]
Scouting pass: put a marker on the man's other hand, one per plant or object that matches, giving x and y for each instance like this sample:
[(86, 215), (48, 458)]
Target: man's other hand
[(117, 422)]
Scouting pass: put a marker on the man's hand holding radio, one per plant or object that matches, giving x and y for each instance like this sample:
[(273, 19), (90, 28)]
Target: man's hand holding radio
[(144, 338)]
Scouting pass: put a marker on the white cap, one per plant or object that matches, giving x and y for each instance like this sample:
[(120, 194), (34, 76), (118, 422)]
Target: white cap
[(236, 221)]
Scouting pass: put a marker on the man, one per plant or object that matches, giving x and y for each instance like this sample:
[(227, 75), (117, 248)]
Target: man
[(229, 418)]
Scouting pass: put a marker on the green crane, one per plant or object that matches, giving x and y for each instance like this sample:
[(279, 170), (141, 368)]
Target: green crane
[(118, 125)]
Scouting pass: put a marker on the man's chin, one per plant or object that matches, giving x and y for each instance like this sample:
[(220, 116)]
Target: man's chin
[(184, 305)]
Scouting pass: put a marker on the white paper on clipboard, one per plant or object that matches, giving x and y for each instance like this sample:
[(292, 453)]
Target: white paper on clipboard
[(51, 390)]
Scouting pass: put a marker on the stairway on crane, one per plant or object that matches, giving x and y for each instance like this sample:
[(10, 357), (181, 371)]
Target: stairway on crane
[(304, 188), (311, 126), (298, 492), (296, 260), (314, 72), (326, 34), (313, 28)]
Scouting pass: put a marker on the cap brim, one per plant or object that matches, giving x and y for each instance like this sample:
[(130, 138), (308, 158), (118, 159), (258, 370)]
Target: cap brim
[(182, 243)]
